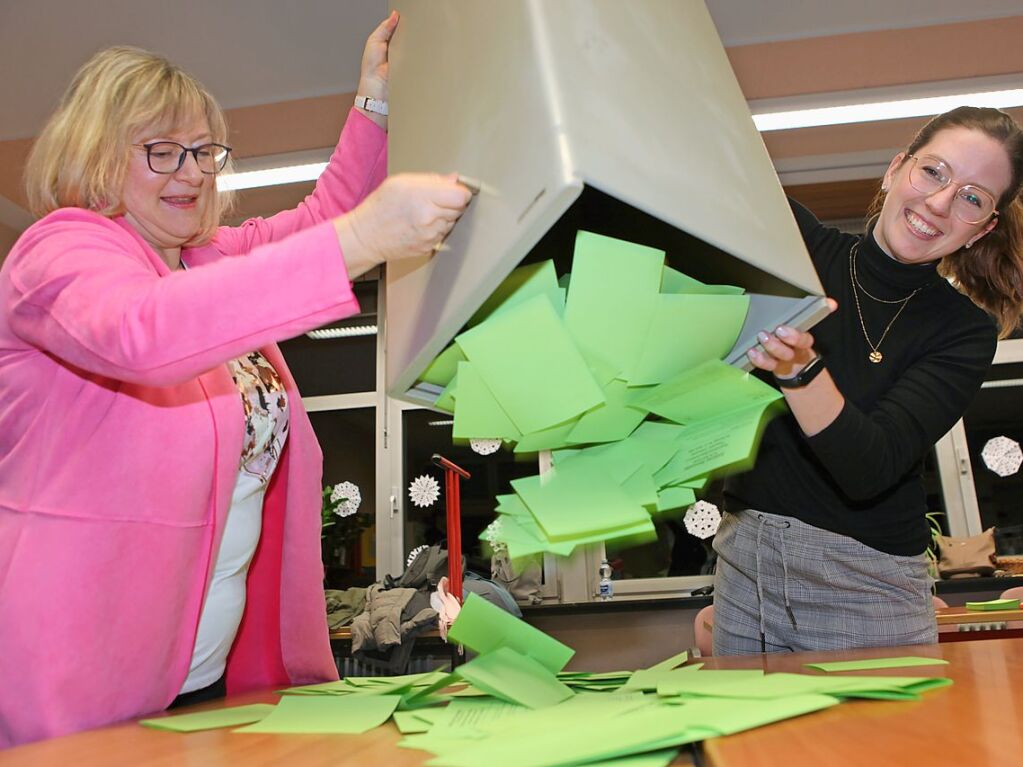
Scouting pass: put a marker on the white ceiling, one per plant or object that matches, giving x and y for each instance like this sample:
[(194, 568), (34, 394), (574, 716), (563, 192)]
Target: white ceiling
[(260, 51)]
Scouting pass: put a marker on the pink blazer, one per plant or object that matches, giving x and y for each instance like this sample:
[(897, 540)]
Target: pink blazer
[(120, 438)]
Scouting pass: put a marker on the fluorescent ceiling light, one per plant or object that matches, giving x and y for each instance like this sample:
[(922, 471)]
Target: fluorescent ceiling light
[(868, 105), (440, 423), (884, 110), (324, 334), (290, 174)]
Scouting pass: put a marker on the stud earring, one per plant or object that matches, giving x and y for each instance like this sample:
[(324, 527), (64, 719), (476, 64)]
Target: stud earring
[(969, 244)]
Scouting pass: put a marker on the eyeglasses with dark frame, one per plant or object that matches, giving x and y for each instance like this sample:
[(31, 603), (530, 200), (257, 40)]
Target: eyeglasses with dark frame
[(168, 156), (971, 204)]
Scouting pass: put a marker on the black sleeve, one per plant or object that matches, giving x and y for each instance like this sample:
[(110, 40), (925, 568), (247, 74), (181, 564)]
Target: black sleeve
[(822, 241), (867, 453)]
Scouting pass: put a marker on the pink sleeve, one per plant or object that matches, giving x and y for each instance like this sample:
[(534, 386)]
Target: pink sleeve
[(85, 291), (356, 168)]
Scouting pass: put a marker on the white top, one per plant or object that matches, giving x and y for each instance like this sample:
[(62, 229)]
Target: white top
[(266, 429)]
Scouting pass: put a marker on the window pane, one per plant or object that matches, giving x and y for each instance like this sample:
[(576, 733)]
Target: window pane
[(338, 365), (348, 439), (675, 552), (426, 433), (997, 411)]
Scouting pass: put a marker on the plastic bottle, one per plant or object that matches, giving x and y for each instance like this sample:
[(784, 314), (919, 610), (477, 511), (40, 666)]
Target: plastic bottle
[(607, 589)]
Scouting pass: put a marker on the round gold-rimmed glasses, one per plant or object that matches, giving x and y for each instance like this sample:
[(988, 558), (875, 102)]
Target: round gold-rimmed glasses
[(971, 204)]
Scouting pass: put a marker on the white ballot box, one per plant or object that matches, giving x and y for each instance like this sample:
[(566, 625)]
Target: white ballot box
[(620, 118)]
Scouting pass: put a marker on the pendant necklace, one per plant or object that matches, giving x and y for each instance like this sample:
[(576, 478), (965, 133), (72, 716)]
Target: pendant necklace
[(875, 355)]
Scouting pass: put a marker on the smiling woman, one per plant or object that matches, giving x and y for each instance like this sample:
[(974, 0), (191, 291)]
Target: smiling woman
[(87, 156), (158, 469), (167, 203), (823, 546)]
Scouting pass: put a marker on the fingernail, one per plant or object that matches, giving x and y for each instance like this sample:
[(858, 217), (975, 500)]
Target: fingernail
[(763, 337), (784, 331)]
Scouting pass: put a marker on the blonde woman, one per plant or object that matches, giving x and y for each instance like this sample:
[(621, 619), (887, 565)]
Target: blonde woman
[(159, 480)]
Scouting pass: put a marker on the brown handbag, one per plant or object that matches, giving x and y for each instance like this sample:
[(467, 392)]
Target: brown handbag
[(959, 557)]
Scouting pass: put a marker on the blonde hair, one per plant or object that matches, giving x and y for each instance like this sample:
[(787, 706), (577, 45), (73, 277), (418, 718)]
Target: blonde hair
[(991, 272), (81, 157)]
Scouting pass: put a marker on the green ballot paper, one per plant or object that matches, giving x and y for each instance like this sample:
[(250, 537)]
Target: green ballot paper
[(297, 714), (994, 604), (211, 720), (861, 665), (483, 627)]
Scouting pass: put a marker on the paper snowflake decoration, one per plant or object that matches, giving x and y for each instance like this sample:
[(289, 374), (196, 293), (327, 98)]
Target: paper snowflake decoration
[(485, 446), (413, 554), (1002, 455), (349, 495), (702, 519), (424, 491), (492, 533)]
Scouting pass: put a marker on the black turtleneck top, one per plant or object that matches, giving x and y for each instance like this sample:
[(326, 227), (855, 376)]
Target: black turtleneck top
[(861, 476)]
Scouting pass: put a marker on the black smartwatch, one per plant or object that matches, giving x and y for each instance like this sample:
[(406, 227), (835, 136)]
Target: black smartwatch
[(804, 376)]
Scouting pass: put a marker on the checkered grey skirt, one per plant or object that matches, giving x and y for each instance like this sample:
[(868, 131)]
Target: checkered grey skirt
[(785, 586)]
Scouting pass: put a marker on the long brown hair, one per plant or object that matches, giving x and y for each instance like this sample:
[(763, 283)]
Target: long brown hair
[(990, 272), (81, 156)]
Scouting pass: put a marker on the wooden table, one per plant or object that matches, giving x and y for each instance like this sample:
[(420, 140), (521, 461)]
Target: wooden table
[(970, 625), (976, 722), (960, 615)]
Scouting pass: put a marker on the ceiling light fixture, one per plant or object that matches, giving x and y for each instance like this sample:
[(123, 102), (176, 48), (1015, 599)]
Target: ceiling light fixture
[(883, 110), (812, 110), (289, 174), (325, 334)]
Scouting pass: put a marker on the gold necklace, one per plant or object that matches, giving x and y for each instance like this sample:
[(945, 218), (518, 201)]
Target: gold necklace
[(875, 355)]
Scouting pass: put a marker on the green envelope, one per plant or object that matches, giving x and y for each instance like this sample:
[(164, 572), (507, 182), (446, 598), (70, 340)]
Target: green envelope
[(994, 604), (576, 499), (522, 284), (326, 714), (675, 498), (551, 438), (686, 331), (872, 663), (674, 281), (612, 420), (611, 296), (516, 678), (483, 627), (446, 399), (444, 366), (517, 369), (707, 391), (210, 720), (712, 446), (681, 681), (478, 414)]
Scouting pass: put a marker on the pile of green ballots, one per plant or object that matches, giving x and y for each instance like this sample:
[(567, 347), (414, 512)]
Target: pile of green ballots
[(513, 704), (617, 369)]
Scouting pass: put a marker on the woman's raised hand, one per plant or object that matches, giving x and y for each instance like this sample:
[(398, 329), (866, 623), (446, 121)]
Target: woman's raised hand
[(373, 77), (408, 215)]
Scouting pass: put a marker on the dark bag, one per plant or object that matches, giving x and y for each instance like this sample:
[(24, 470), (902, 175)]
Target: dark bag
[(963, 557), (428, 566)]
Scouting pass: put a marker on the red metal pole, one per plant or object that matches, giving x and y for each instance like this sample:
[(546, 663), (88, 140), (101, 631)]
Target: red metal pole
[(455, 537), (453, 507)]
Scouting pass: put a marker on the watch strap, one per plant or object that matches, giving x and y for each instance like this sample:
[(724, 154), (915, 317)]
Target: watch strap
[(371, 105), (810, 371)]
